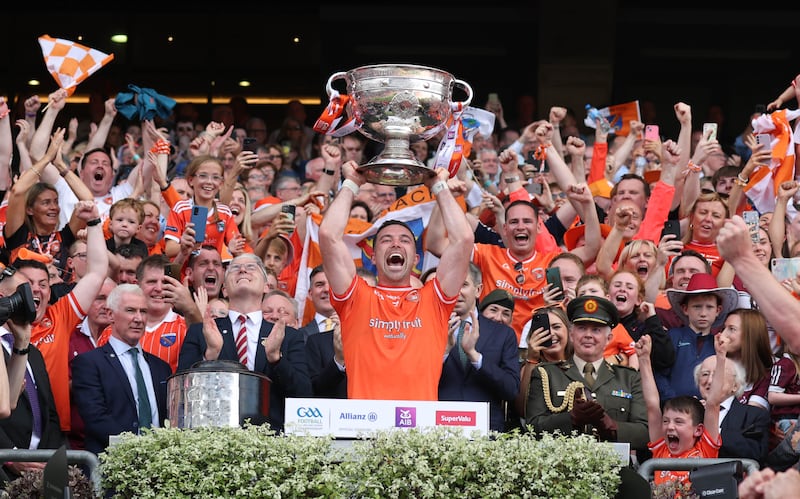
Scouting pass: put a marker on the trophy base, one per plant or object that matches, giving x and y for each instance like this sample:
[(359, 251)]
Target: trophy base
[(395, 171)]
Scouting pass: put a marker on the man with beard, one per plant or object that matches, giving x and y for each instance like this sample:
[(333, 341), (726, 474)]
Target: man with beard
[(393, 334)]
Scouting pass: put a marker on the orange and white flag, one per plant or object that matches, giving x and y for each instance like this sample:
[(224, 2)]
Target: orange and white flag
[(70, 63), (619, 116)]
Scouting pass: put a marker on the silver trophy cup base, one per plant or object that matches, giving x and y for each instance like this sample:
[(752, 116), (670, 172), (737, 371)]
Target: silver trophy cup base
[(395, 171)]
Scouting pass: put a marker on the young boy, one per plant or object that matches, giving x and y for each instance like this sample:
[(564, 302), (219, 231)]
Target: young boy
[(702, 307), (684, 429), (124, 219)]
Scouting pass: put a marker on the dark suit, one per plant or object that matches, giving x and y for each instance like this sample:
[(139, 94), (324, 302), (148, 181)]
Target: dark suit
[(310, 329), (618, 389), (289, 376), (104, 395), (16, 430), (745, 432), (327, 380), (496, 382)]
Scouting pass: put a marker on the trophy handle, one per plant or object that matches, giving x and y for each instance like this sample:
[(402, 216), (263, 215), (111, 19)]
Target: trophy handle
[(340, 75), (463, 85)]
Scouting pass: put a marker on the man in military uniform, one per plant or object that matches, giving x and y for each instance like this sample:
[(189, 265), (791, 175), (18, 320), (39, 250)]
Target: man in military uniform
[(585, 393)]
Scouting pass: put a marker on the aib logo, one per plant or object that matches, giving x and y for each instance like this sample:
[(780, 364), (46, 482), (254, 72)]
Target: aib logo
[(308, 412), (405, 417)]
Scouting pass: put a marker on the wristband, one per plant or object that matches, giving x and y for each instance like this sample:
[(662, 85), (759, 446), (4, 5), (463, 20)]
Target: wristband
[(741, 182), (164, 188), (136, 157), (22, 351), (93, 222), (351, 186), (511, 180), (438, 187), (328, 172), (693, 167)]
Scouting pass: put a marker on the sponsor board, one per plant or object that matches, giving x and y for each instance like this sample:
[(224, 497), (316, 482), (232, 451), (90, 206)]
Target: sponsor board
[(346, 418)]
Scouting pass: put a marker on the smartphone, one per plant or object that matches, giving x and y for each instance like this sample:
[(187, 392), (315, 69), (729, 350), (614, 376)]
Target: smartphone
[(199, 219), (168, 270), (540, 319), (250, 144), (710, 131), (493, 98), (751, 219), (534, 188), (766, 139), (651, 133), (672, 227), (290, 210), (553, 276), (785, 268)]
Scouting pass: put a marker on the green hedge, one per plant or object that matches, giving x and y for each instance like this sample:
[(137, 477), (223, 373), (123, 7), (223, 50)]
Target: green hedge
[(252, 462)]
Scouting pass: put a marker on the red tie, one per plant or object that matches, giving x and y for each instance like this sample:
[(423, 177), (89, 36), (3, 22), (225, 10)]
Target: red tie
[(241, 340)]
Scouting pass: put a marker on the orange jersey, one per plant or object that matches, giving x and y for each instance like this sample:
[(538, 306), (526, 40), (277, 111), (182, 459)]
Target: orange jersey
[(497, 267), (394, 339), (163, 340), (220, 225), (51, 336), (704, 447), (621, 342)]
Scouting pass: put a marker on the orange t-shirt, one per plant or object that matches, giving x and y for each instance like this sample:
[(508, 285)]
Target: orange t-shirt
[(394, 339), (497, 267), (220, 225), (704, 447), (621, 341), (164, 340), (51, 336)]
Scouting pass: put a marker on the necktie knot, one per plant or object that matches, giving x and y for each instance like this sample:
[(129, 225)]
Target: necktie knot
[(588, 373)]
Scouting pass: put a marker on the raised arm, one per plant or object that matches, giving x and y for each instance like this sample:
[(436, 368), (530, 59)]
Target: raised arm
[(456, 256), (777, 224), (98, 139), (96, 255), (6, 145), (649, 388), (337, 260), (715, 392), (779, 307), (56, 102)]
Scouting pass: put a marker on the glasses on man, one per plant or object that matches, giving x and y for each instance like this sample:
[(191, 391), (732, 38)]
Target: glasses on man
[(248, 267), (520, 273), (205, 177), (7, 272), (81, 256)]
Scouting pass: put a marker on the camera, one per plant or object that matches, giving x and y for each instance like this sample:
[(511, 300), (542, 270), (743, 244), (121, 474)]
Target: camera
[(18, 307)]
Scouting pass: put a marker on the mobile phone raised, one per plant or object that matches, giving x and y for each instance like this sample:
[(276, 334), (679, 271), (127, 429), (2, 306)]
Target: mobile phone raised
[(249, 144), (553, 276), (710, 131), (651, 133), (672, 227), (751, 219), (168, 270), (199, 219), (540, 319), (765, 139)]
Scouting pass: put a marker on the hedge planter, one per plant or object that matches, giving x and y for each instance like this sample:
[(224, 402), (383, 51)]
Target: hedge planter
[(252, 462)]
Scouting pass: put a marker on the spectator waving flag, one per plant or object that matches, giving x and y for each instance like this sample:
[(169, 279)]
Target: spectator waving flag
[(762, 186), (70, 63)]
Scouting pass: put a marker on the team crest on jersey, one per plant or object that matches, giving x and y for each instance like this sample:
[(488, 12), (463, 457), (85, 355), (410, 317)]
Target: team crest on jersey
[(46, 322), (109, 200), (413, 296), (538, 273), (168, 339), (220, 226)]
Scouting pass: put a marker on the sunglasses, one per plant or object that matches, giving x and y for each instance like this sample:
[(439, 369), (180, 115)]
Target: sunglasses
[(520, 275), (7, 272)]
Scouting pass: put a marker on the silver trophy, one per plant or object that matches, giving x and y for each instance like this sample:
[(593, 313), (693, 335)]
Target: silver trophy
[(398, 104)]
